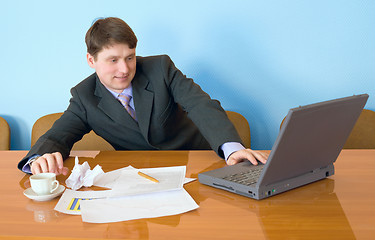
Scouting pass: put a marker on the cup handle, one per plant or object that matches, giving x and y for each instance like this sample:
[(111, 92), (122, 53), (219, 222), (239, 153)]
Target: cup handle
[(57, 185)]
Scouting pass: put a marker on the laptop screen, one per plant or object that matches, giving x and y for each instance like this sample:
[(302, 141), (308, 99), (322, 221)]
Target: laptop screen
[(314, 135)]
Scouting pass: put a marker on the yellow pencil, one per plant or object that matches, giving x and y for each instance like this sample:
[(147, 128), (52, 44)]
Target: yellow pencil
[(148, 177)]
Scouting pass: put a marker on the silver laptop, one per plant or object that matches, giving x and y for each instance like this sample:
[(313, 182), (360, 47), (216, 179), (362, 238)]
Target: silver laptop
[(308, 144)]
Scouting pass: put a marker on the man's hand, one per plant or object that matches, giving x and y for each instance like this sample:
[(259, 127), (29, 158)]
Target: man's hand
[(247, 154), (49, 162)]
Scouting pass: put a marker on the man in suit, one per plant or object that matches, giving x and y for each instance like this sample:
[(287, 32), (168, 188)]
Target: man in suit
[(136, 103)]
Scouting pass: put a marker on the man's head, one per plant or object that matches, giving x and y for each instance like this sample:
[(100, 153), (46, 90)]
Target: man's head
[(111, 47), (106, 32)]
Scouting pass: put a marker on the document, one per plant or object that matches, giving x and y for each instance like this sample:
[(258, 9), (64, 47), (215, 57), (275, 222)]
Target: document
[(70, 201)]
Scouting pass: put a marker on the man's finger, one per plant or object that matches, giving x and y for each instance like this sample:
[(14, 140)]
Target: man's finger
[(250, 156), (59, 160), (234, 161), (35, 169), (52, 166), (60, 163), (42, 162), (64, 171), (260, 156)]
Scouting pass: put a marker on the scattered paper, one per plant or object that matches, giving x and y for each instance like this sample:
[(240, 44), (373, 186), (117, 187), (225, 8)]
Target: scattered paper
[(136, 207), (132, 196), (130, 183), (82, 175)]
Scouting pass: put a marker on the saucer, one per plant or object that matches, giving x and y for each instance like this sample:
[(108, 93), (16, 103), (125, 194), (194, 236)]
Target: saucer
[(32, 195)]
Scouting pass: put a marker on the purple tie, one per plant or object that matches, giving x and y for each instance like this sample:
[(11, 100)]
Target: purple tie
[(125, 99)]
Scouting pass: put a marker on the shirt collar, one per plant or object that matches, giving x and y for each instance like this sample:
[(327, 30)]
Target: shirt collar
[(127, 91)]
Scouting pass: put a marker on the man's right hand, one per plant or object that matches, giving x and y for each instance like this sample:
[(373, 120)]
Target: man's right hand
[(49, 162)]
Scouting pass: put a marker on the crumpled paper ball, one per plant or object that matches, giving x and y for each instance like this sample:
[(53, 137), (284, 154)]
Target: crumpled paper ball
[(82, 175)]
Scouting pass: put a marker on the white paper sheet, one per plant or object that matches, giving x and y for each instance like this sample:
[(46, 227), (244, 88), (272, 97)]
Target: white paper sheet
[(130, 183), (69, 202), (108, 179), (188, 180), (137, 206)]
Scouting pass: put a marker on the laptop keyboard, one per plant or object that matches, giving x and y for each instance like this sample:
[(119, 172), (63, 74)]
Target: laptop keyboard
[(246, 178)]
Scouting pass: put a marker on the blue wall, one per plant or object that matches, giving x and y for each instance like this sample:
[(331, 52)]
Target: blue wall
[(259, 58)]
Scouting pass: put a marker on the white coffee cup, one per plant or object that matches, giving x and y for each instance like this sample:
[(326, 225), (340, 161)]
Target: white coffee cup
[(44, 183)]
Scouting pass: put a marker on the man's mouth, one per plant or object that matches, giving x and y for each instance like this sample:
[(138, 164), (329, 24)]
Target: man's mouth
[(122, 78)]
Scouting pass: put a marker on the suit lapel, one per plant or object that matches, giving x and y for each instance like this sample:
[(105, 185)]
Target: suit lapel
[(143, 100)]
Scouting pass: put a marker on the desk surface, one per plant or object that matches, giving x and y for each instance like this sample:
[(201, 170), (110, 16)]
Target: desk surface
[(340, 207)]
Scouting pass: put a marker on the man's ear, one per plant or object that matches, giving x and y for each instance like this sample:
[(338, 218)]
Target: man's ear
[(90, 60)]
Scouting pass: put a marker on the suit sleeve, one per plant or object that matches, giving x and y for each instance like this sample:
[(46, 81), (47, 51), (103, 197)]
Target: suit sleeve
[(206, 113), (67, 130)]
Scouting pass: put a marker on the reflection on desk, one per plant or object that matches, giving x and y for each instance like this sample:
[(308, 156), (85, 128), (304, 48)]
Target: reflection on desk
[(313, 209), (340, 207)]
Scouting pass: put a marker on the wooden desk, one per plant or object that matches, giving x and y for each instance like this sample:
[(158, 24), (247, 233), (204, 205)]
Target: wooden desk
[(341, 207)]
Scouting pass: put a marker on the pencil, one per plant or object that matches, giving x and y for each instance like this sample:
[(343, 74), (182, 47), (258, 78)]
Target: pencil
[(148, 177)]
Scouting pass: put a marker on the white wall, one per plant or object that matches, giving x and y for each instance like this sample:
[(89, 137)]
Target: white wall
[(259, 58)]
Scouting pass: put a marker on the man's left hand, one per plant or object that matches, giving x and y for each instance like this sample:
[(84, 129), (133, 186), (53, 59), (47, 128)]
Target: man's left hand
[(247, 154)]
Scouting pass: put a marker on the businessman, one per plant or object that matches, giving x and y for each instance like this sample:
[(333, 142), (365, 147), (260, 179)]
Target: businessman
[(136, 103)]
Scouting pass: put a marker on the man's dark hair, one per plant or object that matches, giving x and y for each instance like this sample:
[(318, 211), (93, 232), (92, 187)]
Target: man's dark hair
[(107, 31)]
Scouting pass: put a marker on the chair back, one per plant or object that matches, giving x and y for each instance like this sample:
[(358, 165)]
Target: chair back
[(363, 133), (4, 134), (242, 127), (90, 141)]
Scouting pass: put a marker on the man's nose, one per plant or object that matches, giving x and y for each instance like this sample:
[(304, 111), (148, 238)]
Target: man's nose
[(123, 67)]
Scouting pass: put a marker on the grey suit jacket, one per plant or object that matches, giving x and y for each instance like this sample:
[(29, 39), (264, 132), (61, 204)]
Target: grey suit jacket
[(173, 114)]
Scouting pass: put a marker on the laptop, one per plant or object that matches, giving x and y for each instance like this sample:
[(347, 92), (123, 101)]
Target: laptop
[(309, 142)]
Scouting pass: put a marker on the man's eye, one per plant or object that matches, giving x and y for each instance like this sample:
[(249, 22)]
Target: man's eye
[(114, 60)]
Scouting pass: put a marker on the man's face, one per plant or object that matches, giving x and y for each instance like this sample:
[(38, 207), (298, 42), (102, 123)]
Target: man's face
[(115, 66)]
